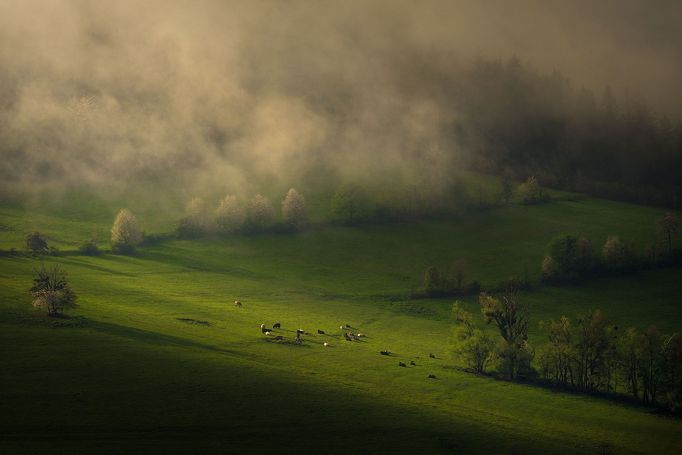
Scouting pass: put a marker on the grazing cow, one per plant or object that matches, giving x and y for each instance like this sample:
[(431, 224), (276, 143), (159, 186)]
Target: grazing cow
[(276, 325), (300, 331), (348, 326), (267, 333), (432, 376), (386, 352), (361, 335), (432, 356), (320, 332), (348, 336), (264, 329), (412, 363), (401, 364), (326, 345), (237, 303), (279, 338)]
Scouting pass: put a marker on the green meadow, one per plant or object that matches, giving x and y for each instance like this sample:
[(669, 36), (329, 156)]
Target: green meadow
[(157, 358)]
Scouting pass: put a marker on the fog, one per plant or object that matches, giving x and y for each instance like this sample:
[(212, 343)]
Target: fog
[(228, 92)]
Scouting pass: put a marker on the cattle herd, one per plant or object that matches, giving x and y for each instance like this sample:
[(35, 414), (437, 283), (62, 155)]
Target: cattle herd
[(346, 331)]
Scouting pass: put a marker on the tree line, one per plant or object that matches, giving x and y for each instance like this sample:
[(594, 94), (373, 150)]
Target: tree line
[(571, 257), (235, 216), (588, 354), (515, 119)]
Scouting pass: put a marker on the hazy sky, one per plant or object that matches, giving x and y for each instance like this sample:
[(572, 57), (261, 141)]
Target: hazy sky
[(110, 87)]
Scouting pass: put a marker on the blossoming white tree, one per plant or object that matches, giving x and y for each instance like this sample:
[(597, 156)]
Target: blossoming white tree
[(230, 215), (294, 210), (260, 213), (125, 233), (196, 219)]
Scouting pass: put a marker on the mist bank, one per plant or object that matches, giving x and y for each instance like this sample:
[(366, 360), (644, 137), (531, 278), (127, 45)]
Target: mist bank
[(234, 95)]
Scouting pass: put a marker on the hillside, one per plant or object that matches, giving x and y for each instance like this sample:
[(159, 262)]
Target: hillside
[(156, 356)]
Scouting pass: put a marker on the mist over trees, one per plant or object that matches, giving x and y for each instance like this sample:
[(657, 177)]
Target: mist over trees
[(260, 213), (196, 221), (520, 120), (421, 101), (294, 210), (230, 215)]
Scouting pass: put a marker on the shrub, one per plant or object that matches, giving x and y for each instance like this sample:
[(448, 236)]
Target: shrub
[(89, 248), (36, 243)]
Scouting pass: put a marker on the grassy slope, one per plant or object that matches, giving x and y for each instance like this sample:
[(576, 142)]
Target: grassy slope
[(125, 373)]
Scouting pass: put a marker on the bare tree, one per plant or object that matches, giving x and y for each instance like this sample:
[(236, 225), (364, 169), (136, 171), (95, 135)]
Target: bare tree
[(52, 291)]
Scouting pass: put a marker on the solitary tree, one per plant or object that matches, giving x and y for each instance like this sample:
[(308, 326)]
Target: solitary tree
[(260, 213), (125, 233), (52, 291), (294, 210), (36, 243), (668, 227), (230, 215)]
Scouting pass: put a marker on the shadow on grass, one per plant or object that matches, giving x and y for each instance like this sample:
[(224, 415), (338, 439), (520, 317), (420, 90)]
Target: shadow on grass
[(156, 338)]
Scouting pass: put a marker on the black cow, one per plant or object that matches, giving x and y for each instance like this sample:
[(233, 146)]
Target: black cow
[(276, 325), (320, 332)]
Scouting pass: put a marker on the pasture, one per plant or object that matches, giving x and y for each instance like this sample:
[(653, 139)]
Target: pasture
[(158, 357)]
